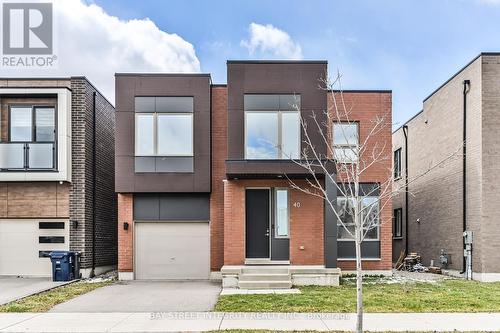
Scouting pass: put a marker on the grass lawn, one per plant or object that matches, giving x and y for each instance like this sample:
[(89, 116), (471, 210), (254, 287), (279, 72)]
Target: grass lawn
[(45, 301), (445, 296)]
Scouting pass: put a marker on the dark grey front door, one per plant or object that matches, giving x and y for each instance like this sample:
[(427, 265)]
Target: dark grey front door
[(257, 223)]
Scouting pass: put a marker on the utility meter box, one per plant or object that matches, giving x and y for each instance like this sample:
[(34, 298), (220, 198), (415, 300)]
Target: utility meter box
[(468, 237)]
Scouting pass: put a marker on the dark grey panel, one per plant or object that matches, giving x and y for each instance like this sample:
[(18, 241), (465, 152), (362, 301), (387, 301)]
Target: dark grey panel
[(174, 104), (185, 207), (144, 164), (174, 164), (280, 249), (196, 87), (330, 222), (172, 207), (290, 102), (261, 102), (146, 207), (144, 104), (369, 249), (372, 189)]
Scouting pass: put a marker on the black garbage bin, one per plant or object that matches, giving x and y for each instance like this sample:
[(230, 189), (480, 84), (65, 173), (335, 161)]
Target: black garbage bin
[(63, 265)]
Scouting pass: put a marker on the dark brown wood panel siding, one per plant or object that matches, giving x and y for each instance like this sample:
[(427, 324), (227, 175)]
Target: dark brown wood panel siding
[(127, 88), (34, 200)]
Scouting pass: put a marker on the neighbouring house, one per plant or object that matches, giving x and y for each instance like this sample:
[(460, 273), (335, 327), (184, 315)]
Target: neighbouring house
[(56, 175), (202, 188), (451, 154)]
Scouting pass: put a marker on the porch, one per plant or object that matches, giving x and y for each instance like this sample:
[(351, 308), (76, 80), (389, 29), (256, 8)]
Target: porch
[(276, 236)]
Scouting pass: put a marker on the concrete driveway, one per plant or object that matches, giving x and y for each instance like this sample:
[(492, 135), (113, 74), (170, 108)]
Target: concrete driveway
[(13, 288), (146, 296)]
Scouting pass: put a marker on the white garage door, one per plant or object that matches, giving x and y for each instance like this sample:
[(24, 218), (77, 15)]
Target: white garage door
[(172, 251), (25, 245)]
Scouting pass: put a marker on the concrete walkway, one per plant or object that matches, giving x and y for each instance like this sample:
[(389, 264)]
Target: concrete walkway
[(203, 321)]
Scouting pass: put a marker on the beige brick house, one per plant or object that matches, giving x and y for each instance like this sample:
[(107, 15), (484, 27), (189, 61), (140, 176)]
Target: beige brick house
[(432, 217)]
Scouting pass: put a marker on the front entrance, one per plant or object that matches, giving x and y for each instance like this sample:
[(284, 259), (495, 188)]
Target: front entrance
[(266, 223)]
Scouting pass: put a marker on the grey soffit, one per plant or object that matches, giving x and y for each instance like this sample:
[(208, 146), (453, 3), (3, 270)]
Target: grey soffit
[(369, 250), (175, 207), (154, 164), (163, 104), (271, 102)]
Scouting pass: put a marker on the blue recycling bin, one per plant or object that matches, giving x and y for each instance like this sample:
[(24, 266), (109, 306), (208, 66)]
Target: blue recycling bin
[(63, 265)]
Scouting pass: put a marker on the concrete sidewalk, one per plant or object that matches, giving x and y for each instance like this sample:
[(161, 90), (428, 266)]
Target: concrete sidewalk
[(203, 321)]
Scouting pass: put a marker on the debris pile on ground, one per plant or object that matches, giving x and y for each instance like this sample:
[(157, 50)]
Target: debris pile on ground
[(105, 277)]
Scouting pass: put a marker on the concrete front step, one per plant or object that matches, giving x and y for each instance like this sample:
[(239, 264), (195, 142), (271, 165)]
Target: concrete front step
[(265, 270), (265, 277), (265, 284)]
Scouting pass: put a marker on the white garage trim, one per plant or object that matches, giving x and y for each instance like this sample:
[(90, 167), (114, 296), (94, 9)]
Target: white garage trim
[(20, 246), (181, 257)]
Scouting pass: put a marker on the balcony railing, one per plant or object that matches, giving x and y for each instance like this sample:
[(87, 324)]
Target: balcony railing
[(27, 156)]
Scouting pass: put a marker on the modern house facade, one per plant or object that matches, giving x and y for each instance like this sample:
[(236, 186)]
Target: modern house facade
[(56, 175), (450, 153), (202, 175)]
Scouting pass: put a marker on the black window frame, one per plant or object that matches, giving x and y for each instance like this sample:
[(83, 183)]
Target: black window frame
[(33, 107), (397, 163), (398, 212)]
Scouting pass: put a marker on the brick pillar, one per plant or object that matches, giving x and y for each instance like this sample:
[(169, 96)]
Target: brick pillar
[(125, 237), (234, 223)]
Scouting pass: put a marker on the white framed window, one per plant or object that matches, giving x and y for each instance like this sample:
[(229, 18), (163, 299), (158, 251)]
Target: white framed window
[(346, 142), (164, 134), (272, 135), (281, 213), (370, 215)]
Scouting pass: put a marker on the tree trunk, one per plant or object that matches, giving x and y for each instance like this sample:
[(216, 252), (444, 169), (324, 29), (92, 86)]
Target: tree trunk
[(359, 283)]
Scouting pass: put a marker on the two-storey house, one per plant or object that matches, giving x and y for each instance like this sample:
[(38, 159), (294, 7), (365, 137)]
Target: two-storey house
[(56, 175), (202, 175)]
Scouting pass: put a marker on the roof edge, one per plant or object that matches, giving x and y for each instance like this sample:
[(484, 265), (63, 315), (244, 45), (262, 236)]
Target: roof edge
[(460, 71), (277, 62)]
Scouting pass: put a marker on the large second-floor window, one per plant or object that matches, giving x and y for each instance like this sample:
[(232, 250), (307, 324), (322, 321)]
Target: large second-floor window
[(32, 124), (272, 127), (163, 131), (31, 143)]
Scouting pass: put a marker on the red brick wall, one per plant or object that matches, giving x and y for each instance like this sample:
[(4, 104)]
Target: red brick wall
[(306, 223), (125, 237), (365, 107), (219, 153)]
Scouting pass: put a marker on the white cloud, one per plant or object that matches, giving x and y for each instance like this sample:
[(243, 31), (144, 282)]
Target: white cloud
[(269, 41), (92, 43)]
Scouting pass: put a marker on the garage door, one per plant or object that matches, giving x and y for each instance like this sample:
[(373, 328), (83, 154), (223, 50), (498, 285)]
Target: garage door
[(172, 251), (25, 245)]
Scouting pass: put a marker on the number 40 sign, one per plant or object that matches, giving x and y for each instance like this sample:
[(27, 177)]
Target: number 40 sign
[(296, 204)]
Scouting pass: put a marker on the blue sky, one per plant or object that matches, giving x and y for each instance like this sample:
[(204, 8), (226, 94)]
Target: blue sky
[(410, 47)]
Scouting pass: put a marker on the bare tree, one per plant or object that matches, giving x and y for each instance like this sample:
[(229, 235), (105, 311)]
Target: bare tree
[(358, 208)]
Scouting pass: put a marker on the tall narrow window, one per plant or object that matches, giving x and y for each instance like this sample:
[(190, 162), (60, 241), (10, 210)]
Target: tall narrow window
[(281, 213), (397, 163), (44, 124), (345, 142), (144, 135), (21, 124), (398, 223)]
